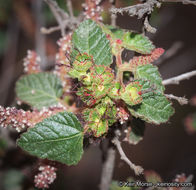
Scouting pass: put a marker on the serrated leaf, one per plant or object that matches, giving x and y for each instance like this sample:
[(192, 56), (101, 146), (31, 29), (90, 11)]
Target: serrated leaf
[(137, 42), (155, 107), (58, 138), (136, 131), (39, 90), (89, 38), (130, 40), (150, 72)]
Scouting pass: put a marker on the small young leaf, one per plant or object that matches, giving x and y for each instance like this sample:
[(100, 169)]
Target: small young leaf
[(58, 138), (90, 39), (137, 42), (39, 90), (130, 40), (155, 107)]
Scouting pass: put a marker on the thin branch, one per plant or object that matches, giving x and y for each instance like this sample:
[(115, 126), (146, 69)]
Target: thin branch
[(107, 171), (193, 2), (50, 30), (138, 10), (59, 14), (113, 16), (70, 8), (137, 169), (148, 27), (63, 19), (177, 79), (181, 100)]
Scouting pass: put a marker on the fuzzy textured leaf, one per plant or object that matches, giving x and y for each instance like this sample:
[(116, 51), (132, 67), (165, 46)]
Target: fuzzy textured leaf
[(137, 42), (39, 90), (150, 72), (89, 38), (155, 107), (58, 138), (130, 40)]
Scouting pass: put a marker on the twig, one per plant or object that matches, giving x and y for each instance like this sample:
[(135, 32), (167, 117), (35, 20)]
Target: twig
[(107, 171), (138, 10), (193, 2), (50, 30), (63, 19), (59, 14), (148, 27), (181, 100), (137, 169), (113, 16), (70, 8), (177, 79)]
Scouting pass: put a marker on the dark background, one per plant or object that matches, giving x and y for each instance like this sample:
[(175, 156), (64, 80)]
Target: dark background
[(166, 149)]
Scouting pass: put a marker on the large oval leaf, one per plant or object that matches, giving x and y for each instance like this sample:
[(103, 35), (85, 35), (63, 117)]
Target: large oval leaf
[(58, 138), (39, 90), (89, 38)]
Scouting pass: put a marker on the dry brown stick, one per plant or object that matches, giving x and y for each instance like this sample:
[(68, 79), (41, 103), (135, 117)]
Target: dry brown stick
[(137, 169), (50, 30), (181, 100), (107, 169), (193, 2), (138, 10), (177, 79)]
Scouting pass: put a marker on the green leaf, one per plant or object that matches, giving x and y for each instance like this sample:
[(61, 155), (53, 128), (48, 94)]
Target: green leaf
[(58, 138), (130, 40), (155, 107), (89, 38), (39, 90), (151, 73), (137, 42), (136, 132)]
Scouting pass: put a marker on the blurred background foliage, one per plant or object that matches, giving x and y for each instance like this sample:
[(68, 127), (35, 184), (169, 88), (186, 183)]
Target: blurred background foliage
[(168, 149)]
